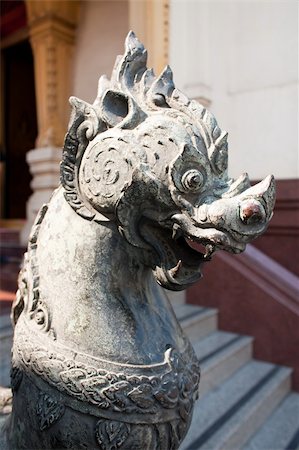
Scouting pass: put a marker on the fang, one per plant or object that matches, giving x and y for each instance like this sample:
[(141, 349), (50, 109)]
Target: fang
[(176, 232), (174, 271), (210, 249)]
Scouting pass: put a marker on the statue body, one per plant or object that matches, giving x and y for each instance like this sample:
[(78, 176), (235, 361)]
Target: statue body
[(99, 359), (101, 316)]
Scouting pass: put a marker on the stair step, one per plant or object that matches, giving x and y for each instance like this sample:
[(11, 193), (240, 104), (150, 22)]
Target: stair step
[(5, 349), (11, 268), (9, 235), (5, 322), (176, 298), (196, 320), (220, 355), (11, 252), (226, 417), (281, 430), (9, 273)]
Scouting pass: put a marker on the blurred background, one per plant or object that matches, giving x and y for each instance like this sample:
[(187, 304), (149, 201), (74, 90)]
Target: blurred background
[(239, 58)]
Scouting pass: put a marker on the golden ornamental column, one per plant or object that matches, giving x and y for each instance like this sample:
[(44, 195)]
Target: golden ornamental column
[(149, 19), (52, 30)]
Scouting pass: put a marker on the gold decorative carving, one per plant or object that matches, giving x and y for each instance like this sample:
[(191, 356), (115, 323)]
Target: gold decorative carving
[(52, 28)]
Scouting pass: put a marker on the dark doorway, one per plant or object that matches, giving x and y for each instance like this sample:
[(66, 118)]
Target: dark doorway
[(20, 126)]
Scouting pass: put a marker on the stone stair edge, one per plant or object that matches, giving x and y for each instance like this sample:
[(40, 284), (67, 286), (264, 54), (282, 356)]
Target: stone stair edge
[(193, 312), (223, 362), (223, 352), (220, 431), (281, 429), (265, 403)]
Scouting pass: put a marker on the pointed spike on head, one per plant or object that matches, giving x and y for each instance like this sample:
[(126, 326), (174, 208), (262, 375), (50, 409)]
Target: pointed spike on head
[(147, 79), (167, 73), (79, 105), (78, 108), (128, 68), (163, 87), (74, 102), (216, 132), (165, 78), (221, 140), (103, 85), (132, 42)]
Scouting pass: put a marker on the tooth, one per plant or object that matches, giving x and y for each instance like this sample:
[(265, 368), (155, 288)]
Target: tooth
[(174, 271), (176, 231), (210, 249)]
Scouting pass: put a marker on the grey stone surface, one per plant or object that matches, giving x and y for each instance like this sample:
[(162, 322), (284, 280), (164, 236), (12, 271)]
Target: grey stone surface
[(5, 349), (206, 347), (223, 420), (220, 355), (99, 359), (176, 297), (280, 429), (197, 322)]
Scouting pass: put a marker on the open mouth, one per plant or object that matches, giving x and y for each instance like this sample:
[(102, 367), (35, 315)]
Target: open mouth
[(203, 249), (206, 250), (211, 238), (182, 248), (179, 262)]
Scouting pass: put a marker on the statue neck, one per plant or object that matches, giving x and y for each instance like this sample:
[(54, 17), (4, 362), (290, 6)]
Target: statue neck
[(99, 291)]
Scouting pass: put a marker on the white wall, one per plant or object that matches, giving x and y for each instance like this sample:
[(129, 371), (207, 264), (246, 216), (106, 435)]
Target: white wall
[(243, 56), (101, 34)]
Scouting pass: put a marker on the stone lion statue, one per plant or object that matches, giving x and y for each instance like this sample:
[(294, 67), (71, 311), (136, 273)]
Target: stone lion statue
[(99, 359)]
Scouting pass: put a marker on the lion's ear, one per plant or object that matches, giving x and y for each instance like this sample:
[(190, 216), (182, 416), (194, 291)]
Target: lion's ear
[(84, 125), (120, 110), (114, 107)]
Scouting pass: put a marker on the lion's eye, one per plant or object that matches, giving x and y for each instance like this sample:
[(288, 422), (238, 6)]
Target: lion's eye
[(192, 180)]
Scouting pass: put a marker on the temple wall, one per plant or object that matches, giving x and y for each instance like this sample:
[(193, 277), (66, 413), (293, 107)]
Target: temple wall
[(241, 58)]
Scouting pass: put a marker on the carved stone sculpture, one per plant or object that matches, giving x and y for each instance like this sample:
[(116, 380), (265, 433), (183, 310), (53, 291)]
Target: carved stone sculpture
[(99, 359)]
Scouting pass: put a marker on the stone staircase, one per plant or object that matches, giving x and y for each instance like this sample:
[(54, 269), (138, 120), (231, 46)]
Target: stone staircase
[(11, 255), (243, 404), (5, 348)]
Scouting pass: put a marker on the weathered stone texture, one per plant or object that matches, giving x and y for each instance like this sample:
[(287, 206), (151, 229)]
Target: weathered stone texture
[(99, 359)]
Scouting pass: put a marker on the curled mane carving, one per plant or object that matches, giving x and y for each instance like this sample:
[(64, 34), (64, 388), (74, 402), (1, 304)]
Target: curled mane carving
[(132, 94)]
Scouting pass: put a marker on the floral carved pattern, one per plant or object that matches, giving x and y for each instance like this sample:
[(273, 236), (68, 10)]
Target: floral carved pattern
[(111, 434), (48, 411), (173, 388), (28, 295)]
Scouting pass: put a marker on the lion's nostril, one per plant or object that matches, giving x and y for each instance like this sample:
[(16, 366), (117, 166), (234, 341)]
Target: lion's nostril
[(251, 212)]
